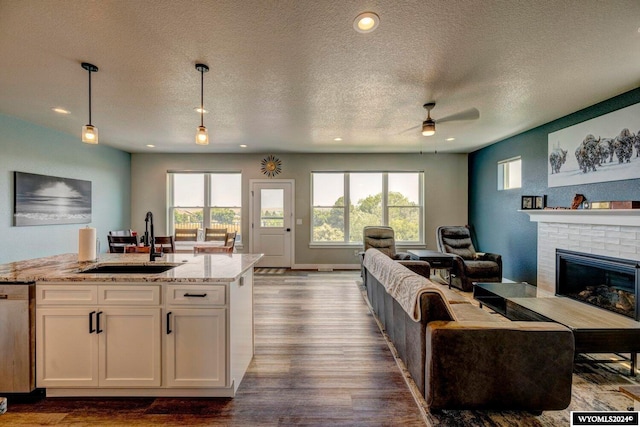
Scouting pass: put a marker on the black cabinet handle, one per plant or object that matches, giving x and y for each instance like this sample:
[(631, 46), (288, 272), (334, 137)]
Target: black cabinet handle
[(195, 295), (288, 229), (98, 330), (91, 328), (169, 323)]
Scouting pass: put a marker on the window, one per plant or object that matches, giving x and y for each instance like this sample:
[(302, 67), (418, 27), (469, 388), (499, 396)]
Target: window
[(343, 203), (201, 200), (510, 174)]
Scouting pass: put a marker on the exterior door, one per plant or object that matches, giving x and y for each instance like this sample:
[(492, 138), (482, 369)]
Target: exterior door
[(271, 222)]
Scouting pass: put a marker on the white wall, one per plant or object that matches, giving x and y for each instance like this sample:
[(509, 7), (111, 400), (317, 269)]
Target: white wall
[(445, 189), (25, 147)]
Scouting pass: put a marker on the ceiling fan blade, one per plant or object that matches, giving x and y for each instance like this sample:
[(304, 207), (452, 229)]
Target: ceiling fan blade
[(410, 129), (470, 114)]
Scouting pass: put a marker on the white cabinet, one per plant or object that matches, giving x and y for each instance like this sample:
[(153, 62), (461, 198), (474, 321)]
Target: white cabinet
[(79, 344), (140, 339), (196, 347), (66, 351), (196, 335)]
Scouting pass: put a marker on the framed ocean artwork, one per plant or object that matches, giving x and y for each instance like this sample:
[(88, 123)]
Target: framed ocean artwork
[(46, 200)]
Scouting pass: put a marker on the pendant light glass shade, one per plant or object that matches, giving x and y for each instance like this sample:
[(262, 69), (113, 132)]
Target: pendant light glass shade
[(89, 132), (202, 135)]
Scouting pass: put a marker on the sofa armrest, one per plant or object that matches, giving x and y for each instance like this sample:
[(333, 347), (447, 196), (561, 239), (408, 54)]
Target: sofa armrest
[(498, 365), (491, 257), (419, 267), (402, 256)]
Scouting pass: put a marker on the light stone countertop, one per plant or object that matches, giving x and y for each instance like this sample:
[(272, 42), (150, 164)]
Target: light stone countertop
[(207, 268)]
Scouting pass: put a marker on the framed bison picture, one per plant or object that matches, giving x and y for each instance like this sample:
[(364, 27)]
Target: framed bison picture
[(606, 148)]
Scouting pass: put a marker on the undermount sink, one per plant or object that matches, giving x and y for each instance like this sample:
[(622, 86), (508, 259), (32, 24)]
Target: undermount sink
[(130, 268)]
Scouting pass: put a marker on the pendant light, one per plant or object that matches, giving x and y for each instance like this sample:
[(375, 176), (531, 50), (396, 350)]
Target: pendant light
[(90, 132), (202, 136)]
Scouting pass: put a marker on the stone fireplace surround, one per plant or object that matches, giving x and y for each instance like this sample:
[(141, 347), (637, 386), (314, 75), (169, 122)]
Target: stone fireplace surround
[(613, 233)]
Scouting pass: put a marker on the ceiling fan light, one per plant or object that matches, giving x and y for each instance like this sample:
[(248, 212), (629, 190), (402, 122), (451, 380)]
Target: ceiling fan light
[(428, 128), (90, 134), (202, 136)]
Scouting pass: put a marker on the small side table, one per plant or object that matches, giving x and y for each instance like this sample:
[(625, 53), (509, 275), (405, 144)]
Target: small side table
[(437, 260)]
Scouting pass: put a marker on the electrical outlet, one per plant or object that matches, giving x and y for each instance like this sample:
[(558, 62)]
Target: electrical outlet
[(356, 252)]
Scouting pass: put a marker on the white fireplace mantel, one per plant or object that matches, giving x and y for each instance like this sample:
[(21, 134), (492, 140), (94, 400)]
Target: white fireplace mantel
[(622, 217)]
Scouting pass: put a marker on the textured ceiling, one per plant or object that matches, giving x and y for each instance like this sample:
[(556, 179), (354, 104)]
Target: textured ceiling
[(291, 75)]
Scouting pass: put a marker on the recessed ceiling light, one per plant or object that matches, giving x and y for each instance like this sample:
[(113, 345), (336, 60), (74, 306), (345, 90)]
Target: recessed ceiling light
[(61, 110), (243, 145), (200, 110), (366, 22), (450, 139), (150, 145), (338, 139)]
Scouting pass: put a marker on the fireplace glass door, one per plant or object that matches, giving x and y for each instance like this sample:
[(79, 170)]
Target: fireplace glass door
[(608, 283)]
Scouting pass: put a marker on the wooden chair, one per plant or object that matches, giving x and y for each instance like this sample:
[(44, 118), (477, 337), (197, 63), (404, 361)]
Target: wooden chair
[(137, 249), (166, 244), (186, 234), (213, 234), (117, 244), (226, 249)]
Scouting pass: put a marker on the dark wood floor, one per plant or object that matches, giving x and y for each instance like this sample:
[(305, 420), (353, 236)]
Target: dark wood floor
[(319, 360)]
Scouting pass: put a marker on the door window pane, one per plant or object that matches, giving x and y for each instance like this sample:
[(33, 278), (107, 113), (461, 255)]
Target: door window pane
[(272, 207)]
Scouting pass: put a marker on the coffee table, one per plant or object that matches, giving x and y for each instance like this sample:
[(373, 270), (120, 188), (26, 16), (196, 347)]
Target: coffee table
[(437, 260), (595, 330)]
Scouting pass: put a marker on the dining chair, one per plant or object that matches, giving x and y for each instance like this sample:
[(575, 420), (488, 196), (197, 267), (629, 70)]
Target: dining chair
[(117, 244), (165, 244), (214, 234), (128, 232), (137, 249), (186, 234), (226, 248)]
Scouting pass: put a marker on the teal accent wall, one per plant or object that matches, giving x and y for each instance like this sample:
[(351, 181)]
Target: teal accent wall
[(497, 225), (25, 147)]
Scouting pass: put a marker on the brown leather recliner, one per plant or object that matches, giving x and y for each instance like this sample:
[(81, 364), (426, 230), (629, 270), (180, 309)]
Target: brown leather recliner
[(383, 239), (470, 266)]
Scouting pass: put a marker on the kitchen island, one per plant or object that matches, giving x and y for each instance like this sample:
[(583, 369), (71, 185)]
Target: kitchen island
[(118, 327)]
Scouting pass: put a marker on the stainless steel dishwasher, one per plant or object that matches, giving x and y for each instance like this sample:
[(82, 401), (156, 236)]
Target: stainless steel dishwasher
[(17, 337)]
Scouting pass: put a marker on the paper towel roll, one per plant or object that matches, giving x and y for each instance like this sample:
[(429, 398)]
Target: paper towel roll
[(87, 244)]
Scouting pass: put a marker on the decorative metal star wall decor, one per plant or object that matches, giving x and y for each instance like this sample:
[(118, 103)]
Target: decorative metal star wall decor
[(271, 166)]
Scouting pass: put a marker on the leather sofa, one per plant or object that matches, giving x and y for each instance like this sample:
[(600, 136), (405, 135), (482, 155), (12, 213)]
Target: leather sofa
[(463, 357)]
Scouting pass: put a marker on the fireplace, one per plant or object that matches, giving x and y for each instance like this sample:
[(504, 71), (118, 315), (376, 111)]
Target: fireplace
[(609, 283)]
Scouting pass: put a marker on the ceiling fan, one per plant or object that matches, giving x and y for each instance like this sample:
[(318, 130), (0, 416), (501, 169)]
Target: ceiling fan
[(429, 124)]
